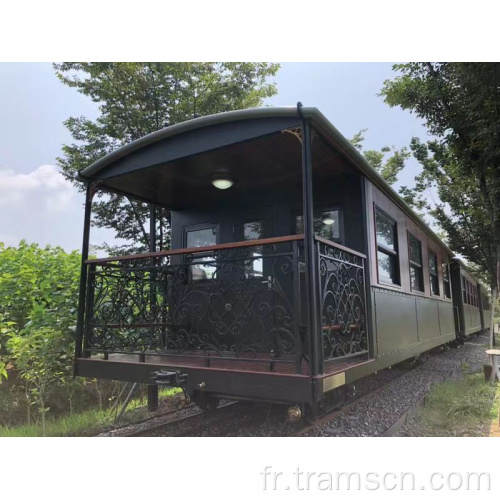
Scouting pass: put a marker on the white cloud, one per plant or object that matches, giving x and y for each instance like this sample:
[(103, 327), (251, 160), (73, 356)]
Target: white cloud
[(44, 185), (43, 207)]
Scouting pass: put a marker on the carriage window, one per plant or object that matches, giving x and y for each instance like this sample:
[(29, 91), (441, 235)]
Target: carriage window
[(254, 231), (446, 280), (196, 238), (205, 237), (416, 272), (326, 224), (433, 273), (468, 292), (387, 249)]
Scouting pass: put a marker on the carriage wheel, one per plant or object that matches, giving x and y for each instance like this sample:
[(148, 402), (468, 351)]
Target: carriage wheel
[(207, 402)]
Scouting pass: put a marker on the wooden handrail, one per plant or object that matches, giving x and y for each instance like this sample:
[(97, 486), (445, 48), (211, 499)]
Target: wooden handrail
[(183, 251), (340, 247), (238, 244)]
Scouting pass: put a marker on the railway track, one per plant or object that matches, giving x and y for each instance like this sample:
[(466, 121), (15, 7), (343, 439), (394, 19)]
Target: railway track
[(232, 417), (185, 425), (244, 419), (333, 414)]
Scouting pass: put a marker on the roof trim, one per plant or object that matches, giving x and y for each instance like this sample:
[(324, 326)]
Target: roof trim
[(311, 114)]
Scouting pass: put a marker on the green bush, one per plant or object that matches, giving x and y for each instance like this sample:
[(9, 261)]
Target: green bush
[(38, 311)]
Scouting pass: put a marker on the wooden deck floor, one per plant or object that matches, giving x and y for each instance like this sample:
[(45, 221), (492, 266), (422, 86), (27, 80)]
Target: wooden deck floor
[(285, 366)]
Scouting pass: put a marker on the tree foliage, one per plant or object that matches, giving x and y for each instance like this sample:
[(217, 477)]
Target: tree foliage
[(136, 99), (388, 162), (459, 103), (38, 285), (38, 297)]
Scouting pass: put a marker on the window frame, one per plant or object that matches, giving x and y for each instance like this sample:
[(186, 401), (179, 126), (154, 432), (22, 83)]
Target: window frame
[(413, 264), (446, 282), (189, 228), (380, 247), (297, 212), (430, 254), (249, 268), (199, 255)]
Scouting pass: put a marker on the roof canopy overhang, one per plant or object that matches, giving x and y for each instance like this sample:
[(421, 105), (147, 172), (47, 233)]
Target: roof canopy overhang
[(173, 166)]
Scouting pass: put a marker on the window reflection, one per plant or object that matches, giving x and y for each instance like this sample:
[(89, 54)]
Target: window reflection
[(386, 267), (416, 272), (254, 230), (197, 238), (446, 280), (326, 224), (433, 273), (387, 248), (386, 235)]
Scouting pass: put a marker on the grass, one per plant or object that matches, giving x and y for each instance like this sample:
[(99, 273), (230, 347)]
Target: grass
[(88, 423), (465, 407), (469, 406)]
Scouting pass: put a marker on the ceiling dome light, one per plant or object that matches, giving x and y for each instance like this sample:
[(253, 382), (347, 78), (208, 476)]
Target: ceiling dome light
[(222, 180), (222, 183), (329, 221)]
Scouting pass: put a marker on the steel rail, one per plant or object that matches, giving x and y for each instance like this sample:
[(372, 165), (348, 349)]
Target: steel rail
[(171, 423)]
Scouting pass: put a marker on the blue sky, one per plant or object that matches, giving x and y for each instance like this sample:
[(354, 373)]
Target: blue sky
[(38, 205)]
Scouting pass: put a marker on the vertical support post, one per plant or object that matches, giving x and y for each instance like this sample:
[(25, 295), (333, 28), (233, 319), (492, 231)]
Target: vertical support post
[(152, 228), (152, 388), (481, 310), (311, 257), (299, 348), (83, 274), (367, 270), (89, 306)]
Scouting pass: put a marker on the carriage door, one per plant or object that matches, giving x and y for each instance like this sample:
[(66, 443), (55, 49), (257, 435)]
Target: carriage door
[(259, 272), (193, 300)]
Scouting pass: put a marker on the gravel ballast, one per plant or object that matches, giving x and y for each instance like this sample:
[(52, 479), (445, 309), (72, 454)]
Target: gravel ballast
[(381, 399), (374, 416), (396, 391)]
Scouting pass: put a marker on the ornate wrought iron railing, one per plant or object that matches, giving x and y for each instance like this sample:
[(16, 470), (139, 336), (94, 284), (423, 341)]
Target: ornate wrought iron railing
[(342, 300), (237, 301)]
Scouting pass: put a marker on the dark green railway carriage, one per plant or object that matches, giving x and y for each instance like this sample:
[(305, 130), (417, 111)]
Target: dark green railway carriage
[(294, 269)]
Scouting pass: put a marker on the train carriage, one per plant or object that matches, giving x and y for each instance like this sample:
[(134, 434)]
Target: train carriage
[(293, 269)]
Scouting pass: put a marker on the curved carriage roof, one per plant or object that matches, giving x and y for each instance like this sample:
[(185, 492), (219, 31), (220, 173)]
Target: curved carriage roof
[(216, 131)]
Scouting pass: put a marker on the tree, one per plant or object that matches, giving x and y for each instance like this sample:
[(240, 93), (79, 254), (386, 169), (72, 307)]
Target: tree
[(136, 99), (460, 105), (39, 357), (4, 331), (388, 162), (34, 279)]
